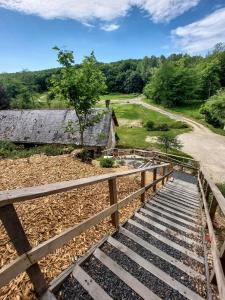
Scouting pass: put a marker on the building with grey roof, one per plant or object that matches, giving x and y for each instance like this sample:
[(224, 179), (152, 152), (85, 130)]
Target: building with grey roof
[(48, 126)]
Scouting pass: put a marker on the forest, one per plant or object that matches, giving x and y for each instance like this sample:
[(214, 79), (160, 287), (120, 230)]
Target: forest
[(173, 81)]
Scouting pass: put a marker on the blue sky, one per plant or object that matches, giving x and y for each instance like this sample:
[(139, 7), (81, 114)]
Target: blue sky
[(116, 29)]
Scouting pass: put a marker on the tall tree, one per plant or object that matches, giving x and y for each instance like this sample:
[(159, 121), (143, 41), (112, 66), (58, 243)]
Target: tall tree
[(81, 87), (4, 100)]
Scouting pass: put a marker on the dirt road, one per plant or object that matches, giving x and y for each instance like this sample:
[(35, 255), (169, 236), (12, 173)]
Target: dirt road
[(204, 145)]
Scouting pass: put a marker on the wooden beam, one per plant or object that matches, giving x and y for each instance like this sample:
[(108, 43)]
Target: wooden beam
[(143, 182), (163, 173), (18, 195), (19, 240), (220, 278), (213, 207), (113, 200), (154, 178)]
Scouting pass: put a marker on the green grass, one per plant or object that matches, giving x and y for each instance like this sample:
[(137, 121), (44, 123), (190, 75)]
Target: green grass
[(221, 187), (191, 111), (14, 151), (118, 96), (134, 137)]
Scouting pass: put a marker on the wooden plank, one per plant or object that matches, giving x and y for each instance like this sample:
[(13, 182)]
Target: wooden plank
[(11, 270), (167, 221), (175, 201), (17, 195), (181, 195), (129, 198), (20, 241), (172, 210), (88, 283), (179, 236), (143, 182), (188, 188), (48, 295), (168, 242), (213, 207), (170, 202), (178, 264), (126, 277), (190, 223), (180, 199), (113, 200), (220, 278), (163, 174), (183, 290), (59, 240), (154, 178)]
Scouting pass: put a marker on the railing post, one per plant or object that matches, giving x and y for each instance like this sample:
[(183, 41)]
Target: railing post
[(154, 178), (143, 183), (163, 174), (213, 207), (20, 241), (113, 200)]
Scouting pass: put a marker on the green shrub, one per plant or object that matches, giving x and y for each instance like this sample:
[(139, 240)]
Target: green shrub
[(162, 127), (178, 125), (86, 155), (106, 162), (149, 125), (221, 187)]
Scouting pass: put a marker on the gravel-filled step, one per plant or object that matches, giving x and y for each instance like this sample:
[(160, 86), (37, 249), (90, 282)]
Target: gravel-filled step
[(183, 204), (173, 213), (115, 287), (172, 219), (172, 270), (152, 282), (72, 290), (171, 205), (193, 236), (187, 260)]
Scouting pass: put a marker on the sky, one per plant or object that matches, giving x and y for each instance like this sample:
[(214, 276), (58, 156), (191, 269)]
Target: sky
[(114, 29)]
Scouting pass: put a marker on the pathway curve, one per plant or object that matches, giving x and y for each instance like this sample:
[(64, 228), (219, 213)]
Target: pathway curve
[(204, 145)]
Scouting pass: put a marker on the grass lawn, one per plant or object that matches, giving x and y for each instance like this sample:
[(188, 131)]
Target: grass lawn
[(191, 111), (134, 136), (118, 96)]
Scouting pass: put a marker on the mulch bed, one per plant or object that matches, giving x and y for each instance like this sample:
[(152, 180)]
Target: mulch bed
[(45, 217)]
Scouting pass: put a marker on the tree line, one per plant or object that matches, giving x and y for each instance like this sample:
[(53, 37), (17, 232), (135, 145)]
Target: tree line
[(176, 80)]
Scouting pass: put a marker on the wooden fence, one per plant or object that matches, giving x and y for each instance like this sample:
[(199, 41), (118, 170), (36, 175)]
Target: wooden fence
[(181, 161), (28, 257), (212, 199)]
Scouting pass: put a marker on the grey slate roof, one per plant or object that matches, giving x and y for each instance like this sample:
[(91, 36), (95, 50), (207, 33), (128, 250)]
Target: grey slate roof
[(47, 126)]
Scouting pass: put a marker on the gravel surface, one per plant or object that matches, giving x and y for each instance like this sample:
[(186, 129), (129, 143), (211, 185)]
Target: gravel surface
[(166, 234), (190, 235), (167, 249), (154, 203), (185, 177), (173, 271), (148, 279), (172, 198), (115, 287), (171, 219), (72, 290), (177, 208)]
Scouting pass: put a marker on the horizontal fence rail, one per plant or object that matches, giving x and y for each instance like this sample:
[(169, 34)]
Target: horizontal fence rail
[(28, 257), (212, 199)]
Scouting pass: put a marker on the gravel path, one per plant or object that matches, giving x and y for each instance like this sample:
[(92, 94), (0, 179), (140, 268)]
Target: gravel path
[(203, 144)]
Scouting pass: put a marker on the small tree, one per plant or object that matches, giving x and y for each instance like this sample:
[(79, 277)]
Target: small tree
[(81, 87), (169, 142), (4, 100)]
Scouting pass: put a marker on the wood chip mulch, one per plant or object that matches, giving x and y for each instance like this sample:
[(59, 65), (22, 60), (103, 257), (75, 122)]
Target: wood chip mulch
[(45, 217)]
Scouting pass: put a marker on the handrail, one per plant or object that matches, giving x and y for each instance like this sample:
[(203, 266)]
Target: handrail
[(28, 257), (213, 198)]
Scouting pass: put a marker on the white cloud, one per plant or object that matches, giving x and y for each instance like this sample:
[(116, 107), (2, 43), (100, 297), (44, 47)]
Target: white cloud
[(87, 11), (110, 27), (203, 34)]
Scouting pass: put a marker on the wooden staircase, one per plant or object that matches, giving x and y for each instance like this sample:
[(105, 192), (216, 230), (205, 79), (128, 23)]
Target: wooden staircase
[(157, 254)]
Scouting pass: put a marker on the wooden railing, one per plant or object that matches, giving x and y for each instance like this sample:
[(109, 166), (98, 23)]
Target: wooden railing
[(28, 257), (213, 199), (182, 161)]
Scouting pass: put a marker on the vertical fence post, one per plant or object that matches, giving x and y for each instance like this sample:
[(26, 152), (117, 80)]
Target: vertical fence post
[(20, 241), (113, 200), (213, 207), (163, 174), (143, 183), (154, 178)]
